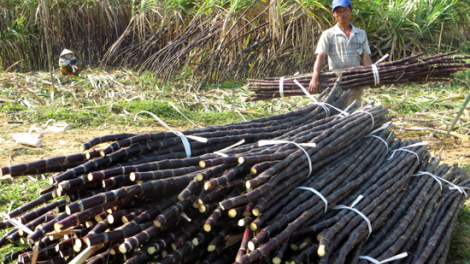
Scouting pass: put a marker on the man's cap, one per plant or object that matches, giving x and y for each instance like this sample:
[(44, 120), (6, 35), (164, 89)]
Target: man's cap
[(342, 3), (65, 52)]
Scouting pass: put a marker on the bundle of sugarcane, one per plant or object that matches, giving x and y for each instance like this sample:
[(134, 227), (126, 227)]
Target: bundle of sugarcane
[(251, 203), (414, 69)]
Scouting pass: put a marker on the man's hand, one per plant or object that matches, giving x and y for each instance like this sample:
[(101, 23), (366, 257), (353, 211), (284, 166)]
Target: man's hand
[(315, 86)]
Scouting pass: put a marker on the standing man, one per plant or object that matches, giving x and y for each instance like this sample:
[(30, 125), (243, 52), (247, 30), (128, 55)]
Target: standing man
[(344, 45)]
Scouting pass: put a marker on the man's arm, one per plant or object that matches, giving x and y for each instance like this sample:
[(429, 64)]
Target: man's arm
[(315, 85), (366, 60)]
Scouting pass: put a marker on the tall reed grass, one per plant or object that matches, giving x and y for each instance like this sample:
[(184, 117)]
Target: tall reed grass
[(212, 40)]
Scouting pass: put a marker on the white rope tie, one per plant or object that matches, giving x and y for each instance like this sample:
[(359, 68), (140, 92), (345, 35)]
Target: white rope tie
[(281, 87), (318, 194), (383, 58), (381, 139), (184, 139), (371, 116), (323, 105), (220, 152), (400, 256), (299, 145), (424, 143), (339, 207), (440, 180), (375, 71)]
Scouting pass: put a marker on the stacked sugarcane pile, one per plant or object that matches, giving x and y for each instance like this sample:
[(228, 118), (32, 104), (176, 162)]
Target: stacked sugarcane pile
[(138, 201), (437, 68)]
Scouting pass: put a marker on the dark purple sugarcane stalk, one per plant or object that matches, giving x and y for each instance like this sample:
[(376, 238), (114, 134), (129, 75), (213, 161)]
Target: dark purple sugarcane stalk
[(104, 139)]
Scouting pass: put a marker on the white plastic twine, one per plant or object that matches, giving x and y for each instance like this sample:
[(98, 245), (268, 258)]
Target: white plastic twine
[(377, 130), (375, 71), (358, 199), (220, 152), (381, 59), (399, 256), (440, 180), (318, 194), (184, 139), (424, 143), (323, 105), (371, 116), (299, 145), (281, 87)]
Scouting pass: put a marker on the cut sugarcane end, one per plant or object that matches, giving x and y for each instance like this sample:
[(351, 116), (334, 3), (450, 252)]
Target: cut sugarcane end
[(211, 248), (241, 222), (102, 154), (77, 249), (202, 208), (199, 177), (202, 164), (181, 198), (82, 148), (294, 247), (321, 251), (232, 213), (248, 185), (87, 241), (157, 223), (78, 243), (246, 213), (207, 227), (173, 246), (207, 186), (151, 250), (319, 237), (164, 253), (255, 212), (89, 224), (253, 171), (195, 241), (277, 260), (251, 246), (241, 160), (253, 227), (132, 176), (51, 180), (112, 251), (98, 218), (57, 227), (110, 219), (122, 248)]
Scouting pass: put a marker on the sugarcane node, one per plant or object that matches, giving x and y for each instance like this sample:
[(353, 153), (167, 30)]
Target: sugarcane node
[(202, 164), (253, 226), (207, 227), (207, 186), (132, 176), (246, 213), (321, 250), (122, 248), (241, 160), (255, 212)]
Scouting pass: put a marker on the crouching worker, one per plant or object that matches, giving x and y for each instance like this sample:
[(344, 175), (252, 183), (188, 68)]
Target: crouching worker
[(69, 65)]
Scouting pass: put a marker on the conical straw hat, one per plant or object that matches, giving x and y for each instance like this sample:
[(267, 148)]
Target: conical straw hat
[(65, 52)]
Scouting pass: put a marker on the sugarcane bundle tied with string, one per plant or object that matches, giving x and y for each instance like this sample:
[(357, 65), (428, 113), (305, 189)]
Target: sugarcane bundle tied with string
[(316, 185), (414, 69)]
